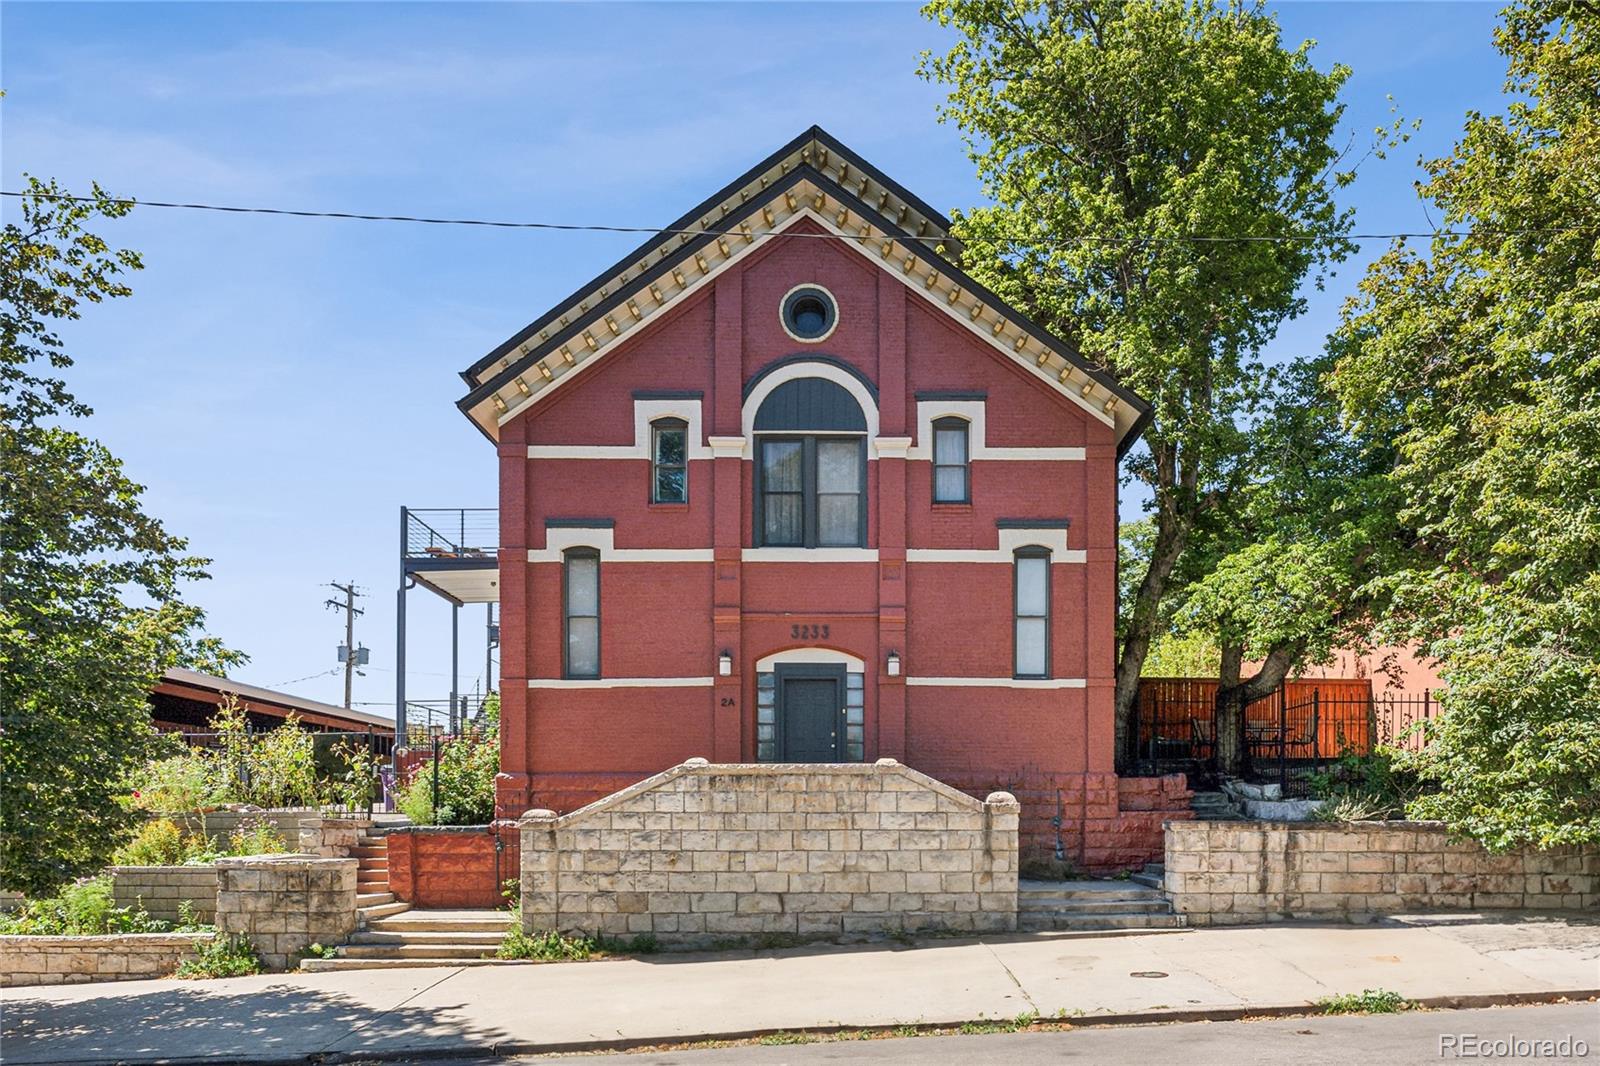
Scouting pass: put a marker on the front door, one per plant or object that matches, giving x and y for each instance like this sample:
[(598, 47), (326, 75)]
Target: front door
[(810, 703)]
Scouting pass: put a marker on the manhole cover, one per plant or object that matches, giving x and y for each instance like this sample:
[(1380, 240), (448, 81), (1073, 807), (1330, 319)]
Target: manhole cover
[(1147, 973)]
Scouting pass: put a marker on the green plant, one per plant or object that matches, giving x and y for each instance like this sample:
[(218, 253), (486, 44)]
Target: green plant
[(1368, 1001), (546, 946), (466, 771), (158, 843), (1363, 788), (320, 951), (256, 836), (82, 908), (782, 1037), (189, 921), (224, 955)]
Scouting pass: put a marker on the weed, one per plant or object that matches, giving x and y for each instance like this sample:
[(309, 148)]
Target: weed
[(83, 908), (222, 956), (320, 951), (546, 946), (1368, 1001), (781, 1037)]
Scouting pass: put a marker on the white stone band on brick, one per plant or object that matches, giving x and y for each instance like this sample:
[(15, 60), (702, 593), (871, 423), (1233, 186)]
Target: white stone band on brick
[(621, 682), (999, 682)]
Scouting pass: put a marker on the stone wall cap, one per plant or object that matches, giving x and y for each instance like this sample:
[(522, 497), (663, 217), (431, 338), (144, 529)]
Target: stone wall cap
[(292, 859), (1001, 799), (767, 769), (538, 814), (183, 868), (441, 829)]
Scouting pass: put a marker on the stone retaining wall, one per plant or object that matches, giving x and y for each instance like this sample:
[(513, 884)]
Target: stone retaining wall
[(1230, 873), (330, 836), (159, 889), (56, 960), (704, 852), (284, 903)]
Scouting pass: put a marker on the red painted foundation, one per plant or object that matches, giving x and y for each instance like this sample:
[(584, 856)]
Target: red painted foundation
[(452, 866)]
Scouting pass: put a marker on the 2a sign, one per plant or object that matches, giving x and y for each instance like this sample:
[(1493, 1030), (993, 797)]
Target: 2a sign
[(804, 631)]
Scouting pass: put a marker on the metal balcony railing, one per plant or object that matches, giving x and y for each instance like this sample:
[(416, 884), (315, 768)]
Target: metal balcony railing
[(452, 533)]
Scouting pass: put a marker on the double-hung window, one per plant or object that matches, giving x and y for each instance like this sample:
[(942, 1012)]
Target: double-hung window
[(580, 603), (951, 473), (1031, 600), (669, 461), (812, 492)]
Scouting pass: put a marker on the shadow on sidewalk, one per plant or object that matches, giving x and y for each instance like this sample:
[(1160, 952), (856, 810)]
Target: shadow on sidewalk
[(245, 1019)]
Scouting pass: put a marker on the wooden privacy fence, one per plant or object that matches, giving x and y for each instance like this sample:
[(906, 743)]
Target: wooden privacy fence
[(1310, 719)]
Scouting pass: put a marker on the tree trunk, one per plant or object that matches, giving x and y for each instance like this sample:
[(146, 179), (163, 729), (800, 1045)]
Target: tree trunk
[(1172, 535), (1234, 695)]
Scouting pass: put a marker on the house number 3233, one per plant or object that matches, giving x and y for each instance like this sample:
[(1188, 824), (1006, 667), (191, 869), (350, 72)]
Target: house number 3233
[(808, 632)]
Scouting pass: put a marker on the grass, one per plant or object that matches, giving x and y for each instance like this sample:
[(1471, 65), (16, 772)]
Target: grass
[(1368, 1001)]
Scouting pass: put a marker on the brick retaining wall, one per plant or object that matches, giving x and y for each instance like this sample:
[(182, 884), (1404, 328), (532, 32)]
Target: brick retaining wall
[(56, 960), (1230, 873), (159, 889), (452, 866), (702, 852)]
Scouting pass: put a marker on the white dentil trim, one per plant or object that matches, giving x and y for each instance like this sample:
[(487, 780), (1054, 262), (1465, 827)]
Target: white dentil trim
[(644, 413), (811, 655)]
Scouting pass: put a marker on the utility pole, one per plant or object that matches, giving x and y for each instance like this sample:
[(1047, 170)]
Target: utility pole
[(349, 654)]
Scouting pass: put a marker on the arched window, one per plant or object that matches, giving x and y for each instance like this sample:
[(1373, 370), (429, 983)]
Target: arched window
[(952, 481), (580, 602), (1031, 602), (669, 461), (811, 467)]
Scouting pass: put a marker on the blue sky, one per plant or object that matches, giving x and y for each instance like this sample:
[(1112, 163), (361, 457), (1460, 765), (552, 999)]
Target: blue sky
[(284, 386)]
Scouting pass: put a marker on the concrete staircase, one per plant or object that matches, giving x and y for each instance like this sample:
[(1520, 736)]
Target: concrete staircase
[(373, 898), (1213, 807), (1154, 875), (420, 938), (1093, 906)]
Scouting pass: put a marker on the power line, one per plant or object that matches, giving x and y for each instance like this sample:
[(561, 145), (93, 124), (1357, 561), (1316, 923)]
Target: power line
[(573, 227)]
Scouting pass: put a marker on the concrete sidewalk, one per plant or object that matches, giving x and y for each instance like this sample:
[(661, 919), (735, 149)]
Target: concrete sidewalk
[(668, 997)]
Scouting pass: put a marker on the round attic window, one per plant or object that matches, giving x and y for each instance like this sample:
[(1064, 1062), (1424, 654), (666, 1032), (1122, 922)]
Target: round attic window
[(809, 313)]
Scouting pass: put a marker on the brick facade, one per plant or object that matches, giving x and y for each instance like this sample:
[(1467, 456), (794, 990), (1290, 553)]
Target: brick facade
[(703, 852), (452, 866), (683, 584)]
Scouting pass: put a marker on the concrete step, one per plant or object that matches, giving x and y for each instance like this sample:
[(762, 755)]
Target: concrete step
[(1110, 906), (1102, 891), (381, 911), (416, 951), (371, 936), (371, 884), (422, 922), (373, 899), (1149, 880), (331, 965), (1035, 921), (370, 848)]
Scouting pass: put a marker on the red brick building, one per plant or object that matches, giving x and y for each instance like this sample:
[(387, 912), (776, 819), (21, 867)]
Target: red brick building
[(786, 485)]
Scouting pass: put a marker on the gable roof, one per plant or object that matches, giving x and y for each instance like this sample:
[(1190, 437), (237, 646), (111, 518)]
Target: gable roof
[(813, 177)]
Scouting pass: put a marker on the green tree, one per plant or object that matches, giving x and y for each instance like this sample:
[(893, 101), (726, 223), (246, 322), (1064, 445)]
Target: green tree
[(1108, 134), (1289, 577), (1479, 359), (77, 660)]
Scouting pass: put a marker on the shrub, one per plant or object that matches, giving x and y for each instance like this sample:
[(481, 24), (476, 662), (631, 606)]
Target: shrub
[(1362, 788), (256, 836), (161, 842), (83, 908), (466, 771), (547, 946), (223, 956)]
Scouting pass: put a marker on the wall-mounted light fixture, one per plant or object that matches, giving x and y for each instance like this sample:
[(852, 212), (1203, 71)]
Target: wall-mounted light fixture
[(725, 664), (893, 664)]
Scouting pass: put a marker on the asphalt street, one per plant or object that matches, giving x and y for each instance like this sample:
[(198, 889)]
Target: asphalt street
[(1390, 1040)]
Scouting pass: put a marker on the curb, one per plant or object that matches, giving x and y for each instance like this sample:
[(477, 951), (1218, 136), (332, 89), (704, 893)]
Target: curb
[(571, 1047)]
